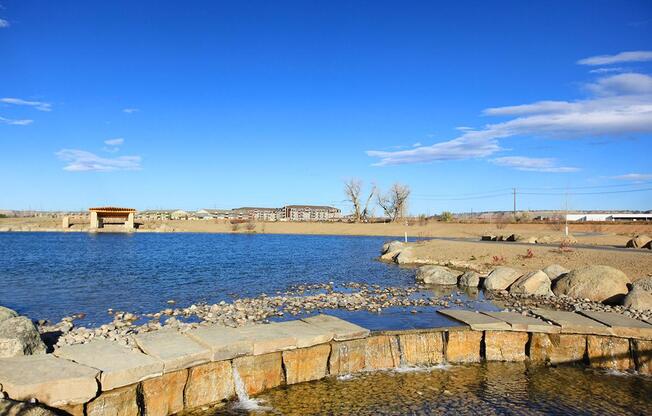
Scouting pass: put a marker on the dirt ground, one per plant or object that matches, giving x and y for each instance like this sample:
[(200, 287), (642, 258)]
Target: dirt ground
[(593, 234), (488, 255)]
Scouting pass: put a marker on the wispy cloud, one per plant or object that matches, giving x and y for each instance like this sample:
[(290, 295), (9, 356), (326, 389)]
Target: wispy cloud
[(84, 161), (533, 164), (607, 70), (4, 23), (619, 104), (39, 105), (631, 56), (130, 110), (13, 122), (635, 177), (115, 142)]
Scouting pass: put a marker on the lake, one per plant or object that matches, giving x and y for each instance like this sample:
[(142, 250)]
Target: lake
[(52, 275)]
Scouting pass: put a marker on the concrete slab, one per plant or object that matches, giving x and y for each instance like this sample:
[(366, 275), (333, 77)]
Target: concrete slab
[(476, 320), (342, 330), (306, 335), (520, 322), (51, 380), (224, 342), (176, 350), (621, 325), (573, 323), (120, 366), (268, 338)]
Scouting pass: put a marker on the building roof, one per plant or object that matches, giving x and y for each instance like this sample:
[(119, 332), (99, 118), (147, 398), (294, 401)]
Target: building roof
[(310, 206), (112, 210)]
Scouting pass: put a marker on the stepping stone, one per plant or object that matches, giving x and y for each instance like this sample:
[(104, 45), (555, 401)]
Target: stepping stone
[(573, 323), (120, 365), (622, 325), (477, 321), (268, 338), (520, 322), (48, 379), (224, 342), (306, 335), (176, 350), (342, 330)]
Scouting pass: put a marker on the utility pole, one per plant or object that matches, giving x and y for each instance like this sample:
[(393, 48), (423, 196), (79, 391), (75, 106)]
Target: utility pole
[(514, 191)]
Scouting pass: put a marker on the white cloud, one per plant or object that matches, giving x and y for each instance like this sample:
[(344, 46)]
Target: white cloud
[(607, 70), (13, 122), (532, 164), (130, 110), (632, 56), (634, 177), (83, 161), (115, 142), (4, 23), (620, 104), (39, 105)]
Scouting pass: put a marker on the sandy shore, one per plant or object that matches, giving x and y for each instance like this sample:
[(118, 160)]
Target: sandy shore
[(593, 234)]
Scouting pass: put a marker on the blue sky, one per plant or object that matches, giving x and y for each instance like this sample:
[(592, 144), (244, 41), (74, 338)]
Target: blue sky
[(223, 104)]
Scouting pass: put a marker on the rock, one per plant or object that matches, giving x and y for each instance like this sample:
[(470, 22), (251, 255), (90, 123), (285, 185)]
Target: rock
[(260, 372), (505, 346), (609, 353), (555, 271), (392, 246), (14, 408), (557, 348), (638, 299), (514, 237), (347, 357), (306, 364), (644, 283), (122, 402), (162, 396), (501, 278), (648, 245), (531, 240), (382, 352), (19, 336), (596, 283), (469, 279), (405, 256), (436, 275), (488, 237), (6, 313), (463, 346), (422, 349), (209, 383), (533, 283), (639, 241)]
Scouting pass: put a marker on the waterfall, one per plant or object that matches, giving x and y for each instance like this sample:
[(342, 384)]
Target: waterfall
[(244, 401)]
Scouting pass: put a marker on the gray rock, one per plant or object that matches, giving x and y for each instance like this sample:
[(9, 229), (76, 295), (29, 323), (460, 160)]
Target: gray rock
[(436, 275), (392, 246), (19, 336), (469, 279), (501, 278), (6, 313), (14, 408), (514, 237), (644, 283), (533, 283), (639, 300), (596, 283), (555, 271), (405, 256)]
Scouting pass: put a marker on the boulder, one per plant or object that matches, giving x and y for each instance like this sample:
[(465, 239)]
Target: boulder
[(639, 300), (639, 241), (644, 283), (530, 240), (469, 279), (596, 283), (436, 275), (533, 283), (501, 278), (514, 237), (19, 336), (648, 245), (488, 237), (14, 408), (555, 271), (405, 256), (392, 246), (6, 313)]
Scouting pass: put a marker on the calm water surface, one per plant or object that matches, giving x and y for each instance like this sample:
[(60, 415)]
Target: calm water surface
[(51, 275), (482, 389)]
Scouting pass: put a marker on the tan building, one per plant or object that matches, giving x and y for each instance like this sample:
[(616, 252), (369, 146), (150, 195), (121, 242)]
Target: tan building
[(100, 215), (256, 214), (310, 213)]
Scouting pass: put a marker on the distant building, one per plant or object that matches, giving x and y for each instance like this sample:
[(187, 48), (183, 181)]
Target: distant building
[(256, 213), (180, 215), (310, 213), (609, 217)]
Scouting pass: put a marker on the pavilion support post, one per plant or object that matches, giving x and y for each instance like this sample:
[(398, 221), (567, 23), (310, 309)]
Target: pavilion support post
[(94, 220), (129, 224)]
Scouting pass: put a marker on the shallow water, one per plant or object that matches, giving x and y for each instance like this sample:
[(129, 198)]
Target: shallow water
[(482, 389)]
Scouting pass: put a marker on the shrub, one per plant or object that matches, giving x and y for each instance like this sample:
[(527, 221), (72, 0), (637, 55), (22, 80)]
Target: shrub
[(446, 216)]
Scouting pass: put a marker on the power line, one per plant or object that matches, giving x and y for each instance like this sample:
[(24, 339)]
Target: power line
[(587, 193)]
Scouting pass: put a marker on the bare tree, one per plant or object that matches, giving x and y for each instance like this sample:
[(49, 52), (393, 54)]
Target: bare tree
[(352, 189), (394, 202), (366, 212)]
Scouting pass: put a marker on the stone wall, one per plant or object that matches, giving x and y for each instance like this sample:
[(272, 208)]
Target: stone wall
[(272, 355)]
